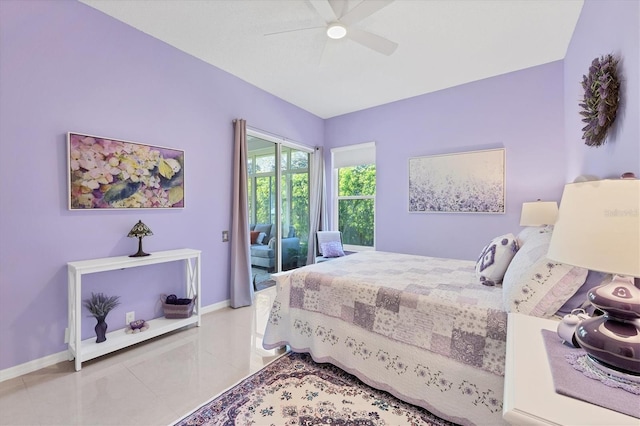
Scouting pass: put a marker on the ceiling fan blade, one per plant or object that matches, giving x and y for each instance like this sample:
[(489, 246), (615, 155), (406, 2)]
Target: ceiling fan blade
[(363, 10), (339, 7), (324, 9), (372, 41), (328, 51), (293, 30)]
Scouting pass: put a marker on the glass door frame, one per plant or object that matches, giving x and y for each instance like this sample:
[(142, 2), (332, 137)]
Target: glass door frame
[(279, 143)]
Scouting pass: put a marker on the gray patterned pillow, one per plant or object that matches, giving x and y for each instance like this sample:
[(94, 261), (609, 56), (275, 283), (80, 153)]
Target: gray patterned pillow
[(495, 258), (535, 285)]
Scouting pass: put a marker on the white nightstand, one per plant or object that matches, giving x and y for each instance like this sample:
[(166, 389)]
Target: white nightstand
[(529, 394)]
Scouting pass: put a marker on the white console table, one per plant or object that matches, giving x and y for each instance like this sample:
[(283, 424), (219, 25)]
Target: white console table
[(84, 350)]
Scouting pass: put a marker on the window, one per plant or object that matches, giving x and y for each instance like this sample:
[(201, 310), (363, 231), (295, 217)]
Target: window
[(355, 195)]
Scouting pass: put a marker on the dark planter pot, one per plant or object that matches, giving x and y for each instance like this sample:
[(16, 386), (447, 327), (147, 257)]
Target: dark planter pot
[(101, 330)]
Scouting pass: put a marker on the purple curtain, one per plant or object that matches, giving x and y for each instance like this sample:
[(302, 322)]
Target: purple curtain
[(241, 287), (317, 202)]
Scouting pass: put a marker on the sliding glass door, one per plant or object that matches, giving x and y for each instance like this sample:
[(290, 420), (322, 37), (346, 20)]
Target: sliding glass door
[(294, 206), (278, 190)]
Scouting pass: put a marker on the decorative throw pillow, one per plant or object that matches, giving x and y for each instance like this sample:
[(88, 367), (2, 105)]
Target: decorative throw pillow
[(254, 236), (332, 249), (261, 237), (495, 258), (535, 285)]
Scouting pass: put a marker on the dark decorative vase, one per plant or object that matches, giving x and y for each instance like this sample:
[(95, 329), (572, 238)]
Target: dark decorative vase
[(101, 330)]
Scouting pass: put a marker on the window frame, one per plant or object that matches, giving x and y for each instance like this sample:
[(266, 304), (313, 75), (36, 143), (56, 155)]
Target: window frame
[(354, 159)]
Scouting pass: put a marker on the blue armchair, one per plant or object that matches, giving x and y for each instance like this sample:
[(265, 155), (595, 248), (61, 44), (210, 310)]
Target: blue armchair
[(263, 254)]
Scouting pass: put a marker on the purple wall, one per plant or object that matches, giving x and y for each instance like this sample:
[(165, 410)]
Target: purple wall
[(520, 111), (604, 27), (67, 67)]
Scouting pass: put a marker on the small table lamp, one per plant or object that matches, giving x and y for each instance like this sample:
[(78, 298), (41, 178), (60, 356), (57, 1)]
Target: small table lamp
[(598, 228), (539, 213), (139, 230)]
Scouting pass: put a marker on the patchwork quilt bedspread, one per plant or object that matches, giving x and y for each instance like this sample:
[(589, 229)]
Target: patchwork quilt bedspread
[(419, 327)]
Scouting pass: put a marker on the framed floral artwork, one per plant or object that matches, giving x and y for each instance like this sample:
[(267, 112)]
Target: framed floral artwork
[(465, 182), (105, 173)]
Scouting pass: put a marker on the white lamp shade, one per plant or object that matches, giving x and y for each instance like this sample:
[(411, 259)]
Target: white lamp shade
[(598, 227), (539, 213)]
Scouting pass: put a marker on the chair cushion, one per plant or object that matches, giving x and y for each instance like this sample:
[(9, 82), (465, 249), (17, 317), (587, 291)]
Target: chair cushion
[(262, 251)]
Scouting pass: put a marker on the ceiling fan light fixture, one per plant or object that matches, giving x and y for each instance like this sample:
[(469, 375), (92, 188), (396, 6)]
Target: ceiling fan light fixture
[(336, 31)]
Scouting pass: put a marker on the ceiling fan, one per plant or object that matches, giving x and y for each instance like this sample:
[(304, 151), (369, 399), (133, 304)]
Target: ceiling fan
[(340, 23)]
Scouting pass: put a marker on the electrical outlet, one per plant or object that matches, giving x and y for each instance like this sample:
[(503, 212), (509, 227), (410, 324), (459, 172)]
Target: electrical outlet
[(131, 316), (225, 236)]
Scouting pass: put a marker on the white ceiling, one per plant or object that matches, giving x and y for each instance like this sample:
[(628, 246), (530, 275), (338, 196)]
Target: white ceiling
[(442, 43)]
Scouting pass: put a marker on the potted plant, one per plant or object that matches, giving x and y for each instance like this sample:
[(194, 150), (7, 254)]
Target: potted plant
[(99, 305)]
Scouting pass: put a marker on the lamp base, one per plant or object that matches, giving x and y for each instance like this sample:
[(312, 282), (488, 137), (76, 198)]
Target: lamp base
[(140, 254), (612, 341), (611, 371)]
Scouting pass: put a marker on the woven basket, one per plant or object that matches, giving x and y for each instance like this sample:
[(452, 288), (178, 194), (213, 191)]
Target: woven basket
[(177, 311)]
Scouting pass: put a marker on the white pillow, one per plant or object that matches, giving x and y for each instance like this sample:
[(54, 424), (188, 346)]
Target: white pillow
[(535, 285), (529, 231), (261, 237), (495, 258)]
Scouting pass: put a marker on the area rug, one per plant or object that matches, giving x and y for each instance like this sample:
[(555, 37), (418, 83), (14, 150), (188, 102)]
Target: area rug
[(294, 390), (264, 285)]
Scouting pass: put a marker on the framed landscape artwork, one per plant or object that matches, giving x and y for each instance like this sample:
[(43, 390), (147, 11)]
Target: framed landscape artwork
[(106, 173), (466, 182)]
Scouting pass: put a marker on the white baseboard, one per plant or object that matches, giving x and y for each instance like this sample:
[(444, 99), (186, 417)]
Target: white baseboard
[(216, 306), (49, 360), (31, 366)]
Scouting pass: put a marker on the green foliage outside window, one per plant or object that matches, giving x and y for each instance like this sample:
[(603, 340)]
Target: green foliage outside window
[(300, 205), (357, 180), (356, 215), (265, 199), (294, 187)]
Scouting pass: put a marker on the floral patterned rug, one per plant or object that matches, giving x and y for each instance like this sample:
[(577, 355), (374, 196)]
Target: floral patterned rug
[(294, 390)]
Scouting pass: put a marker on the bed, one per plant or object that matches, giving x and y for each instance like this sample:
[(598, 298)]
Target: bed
[(422, 328)]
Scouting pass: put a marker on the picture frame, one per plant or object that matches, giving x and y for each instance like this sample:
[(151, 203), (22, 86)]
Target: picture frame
[(464, 182), (107, 173)]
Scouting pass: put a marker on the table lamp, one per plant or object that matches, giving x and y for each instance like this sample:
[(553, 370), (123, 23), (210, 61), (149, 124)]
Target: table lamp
[(598, 228), (539, 213), (139, 230)]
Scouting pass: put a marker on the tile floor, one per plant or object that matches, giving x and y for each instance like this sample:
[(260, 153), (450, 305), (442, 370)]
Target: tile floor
[(153, 383)]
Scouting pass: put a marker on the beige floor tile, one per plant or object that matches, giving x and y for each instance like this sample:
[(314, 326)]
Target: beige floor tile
[(15, 404), (153, 383)]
